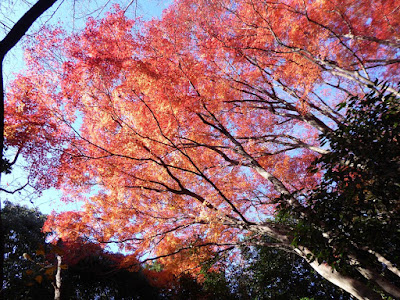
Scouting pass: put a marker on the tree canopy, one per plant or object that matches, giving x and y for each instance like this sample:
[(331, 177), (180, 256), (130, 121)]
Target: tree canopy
[(88, 271), (275, 274), (188, 136)]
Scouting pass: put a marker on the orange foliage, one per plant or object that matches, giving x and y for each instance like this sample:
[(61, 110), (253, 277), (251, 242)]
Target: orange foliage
[(194, 252), (192, 126)]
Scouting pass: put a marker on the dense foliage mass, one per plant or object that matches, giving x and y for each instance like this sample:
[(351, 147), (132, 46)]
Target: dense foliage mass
[(184, 135), (358, 199), (22, 228), (275, 274), (88, 272)]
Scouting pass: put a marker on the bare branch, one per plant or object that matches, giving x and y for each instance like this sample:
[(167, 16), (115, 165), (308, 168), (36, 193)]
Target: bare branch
[(16, 190)]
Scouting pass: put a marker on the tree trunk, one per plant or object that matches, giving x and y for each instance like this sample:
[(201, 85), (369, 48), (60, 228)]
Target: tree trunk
[(57, 283), (354, 287)]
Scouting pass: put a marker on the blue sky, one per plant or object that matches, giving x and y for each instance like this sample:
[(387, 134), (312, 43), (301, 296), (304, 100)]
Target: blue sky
[(71, 17)]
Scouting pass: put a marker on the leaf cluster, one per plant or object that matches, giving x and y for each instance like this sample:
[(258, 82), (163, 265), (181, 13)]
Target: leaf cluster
[(358, 200), (88, 272), (22, 234), (275, 274)]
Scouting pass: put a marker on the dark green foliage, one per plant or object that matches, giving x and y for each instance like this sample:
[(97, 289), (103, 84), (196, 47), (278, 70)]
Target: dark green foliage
[(22, 228), (265, 273), (186, 287), (93, 273), (275, 274), (358, 202), (96, 277), (215, 286)]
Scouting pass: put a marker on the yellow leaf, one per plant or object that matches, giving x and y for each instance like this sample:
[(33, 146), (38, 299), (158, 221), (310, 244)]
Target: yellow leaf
[(39, 278), (27, 256), (64, 267)]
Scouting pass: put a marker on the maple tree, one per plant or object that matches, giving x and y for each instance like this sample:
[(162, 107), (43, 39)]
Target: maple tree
[(186, 135), (6, 44), (14, 33)]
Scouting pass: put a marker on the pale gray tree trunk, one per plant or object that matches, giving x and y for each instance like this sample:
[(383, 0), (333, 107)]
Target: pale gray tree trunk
[(58, 280)]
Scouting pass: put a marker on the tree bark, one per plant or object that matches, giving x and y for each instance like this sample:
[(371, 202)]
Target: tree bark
[(354, 287), (57, 283), (374, 276)]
